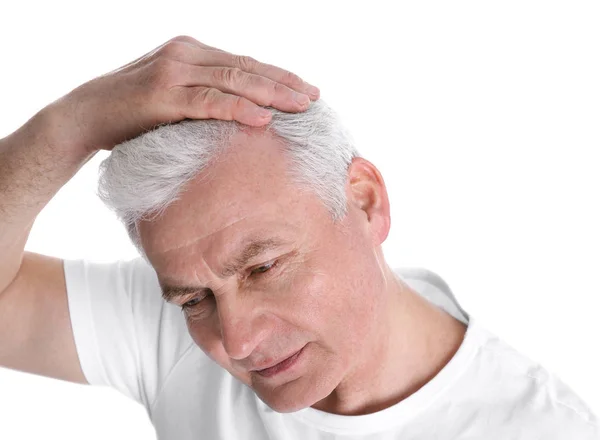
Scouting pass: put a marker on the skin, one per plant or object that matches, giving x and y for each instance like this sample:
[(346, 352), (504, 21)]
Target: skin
[(369, 340), (180, 79)]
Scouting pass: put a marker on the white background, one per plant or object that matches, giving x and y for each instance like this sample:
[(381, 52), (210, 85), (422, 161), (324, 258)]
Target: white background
[(483, 118)]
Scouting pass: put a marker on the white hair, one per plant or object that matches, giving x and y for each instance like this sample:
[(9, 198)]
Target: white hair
[(144, 175)]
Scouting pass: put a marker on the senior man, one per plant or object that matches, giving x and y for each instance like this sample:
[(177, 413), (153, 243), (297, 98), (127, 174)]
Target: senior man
[(266, 234)]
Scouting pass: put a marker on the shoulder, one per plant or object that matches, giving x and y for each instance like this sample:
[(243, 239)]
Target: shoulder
[(531, 397)]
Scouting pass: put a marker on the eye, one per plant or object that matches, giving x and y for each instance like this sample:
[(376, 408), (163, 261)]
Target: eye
[(194, 302), (264, 268), (191, 303)]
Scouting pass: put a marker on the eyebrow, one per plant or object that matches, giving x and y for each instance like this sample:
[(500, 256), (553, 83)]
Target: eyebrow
[(251, 249)]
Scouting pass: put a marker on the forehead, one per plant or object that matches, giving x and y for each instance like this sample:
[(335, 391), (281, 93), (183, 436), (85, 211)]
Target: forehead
[(245, 190)]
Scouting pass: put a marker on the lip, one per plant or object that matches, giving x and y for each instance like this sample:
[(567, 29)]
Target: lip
[(281, 366)]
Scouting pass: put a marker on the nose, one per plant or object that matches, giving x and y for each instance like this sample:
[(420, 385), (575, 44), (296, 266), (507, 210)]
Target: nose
[(242, 327)]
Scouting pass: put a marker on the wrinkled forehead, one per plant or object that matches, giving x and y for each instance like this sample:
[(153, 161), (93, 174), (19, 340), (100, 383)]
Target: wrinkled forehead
[(247, 187)]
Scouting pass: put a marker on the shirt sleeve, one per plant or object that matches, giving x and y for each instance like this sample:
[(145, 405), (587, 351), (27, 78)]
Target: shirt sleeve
[(127, 337)]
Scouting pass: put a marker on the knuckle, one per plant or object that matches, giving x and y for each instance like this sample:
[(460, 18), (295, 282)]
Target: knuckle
[(174, 50), (235, 106), (208, 96), (238, 102), (292, 79), (277, 89), (217, 104), (185, 39), (245, 62), (228, 76), (195, 98)]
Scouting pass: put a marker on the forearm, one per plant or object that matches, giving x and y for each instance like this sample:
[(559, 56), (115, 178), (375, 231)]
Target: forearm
[(40, 157), (35, 162)]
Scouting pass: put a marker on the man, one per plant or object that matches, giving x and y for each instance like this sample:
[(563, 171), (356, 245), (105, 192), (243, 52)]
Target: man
[(294, 326)]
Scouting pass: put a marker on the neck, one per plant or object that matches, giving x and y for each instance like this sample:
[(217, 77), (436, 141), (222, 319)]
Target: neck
[(414, 341)]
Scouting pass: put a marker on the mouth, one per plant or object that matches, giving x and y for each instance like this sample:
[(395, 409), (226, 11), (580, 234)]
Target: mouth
[(281, 366)]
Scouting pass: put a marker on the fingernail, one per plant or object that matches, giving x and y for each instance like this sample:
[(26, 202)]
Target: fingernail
[(263, 113), (301, 99)]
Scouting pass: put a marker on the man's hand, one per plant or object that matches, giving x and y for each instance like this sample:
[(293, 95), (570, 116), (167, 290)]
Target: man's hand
[(180, 79)]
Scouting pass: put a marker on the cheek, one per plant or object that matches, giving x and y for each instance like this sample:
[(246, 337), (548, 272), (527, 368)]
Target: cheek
[(213, 348), (352, 296), (205, 338), (301, 297), (317, 304)]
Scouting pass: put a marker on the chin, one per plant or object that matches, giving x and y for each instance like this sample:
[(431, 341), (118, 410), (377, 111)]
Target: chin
[(296, 395)]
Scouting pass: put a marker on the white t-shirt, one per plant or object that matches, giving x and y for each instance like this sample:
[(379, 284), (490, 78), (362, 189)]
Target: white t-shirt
[(129, 338)]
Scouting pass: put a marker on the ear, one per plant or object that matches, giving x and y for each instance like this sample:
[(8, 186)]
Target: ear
[(366, 191)]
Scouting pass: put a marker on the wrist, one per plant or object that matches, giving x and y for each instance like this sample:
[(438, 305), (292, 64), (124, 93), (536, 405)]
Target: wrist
[(57, 124)]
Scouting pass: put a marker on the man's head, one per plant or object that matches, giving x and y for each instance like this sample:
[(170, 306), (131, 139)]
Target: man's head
[(266, 257)]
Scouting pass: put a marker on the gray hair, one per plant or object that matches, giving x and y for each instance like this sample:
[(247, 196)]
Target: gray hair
[(144, 175)]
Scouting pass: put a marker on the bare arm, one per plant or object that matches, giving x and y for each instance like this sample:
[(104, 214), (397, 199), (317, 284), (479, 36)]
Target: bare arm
[(181, 79), (35, 332)]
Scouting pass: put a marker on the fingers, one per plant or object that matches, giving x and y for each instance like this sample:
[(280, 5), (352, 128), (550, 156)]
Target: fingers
[(203, 82), (282, 76), (210, 103), (203, 57), (259, 89)]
